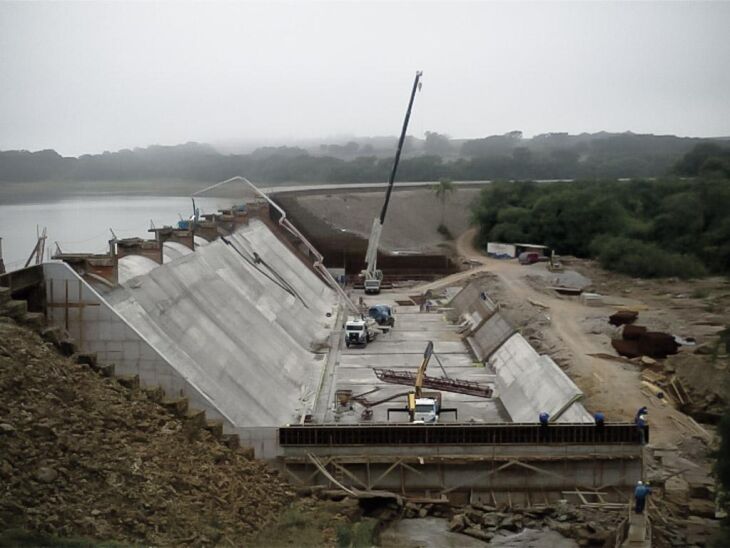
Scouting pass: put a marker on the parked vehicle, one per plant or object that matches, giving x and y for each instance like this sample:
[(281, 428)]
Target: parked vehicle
[(382, 314), (529, 257), (358, 331)]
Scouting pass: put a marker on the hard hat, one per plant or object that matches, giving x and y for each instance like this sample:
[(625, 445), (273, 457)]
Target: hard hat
[(639, 482)]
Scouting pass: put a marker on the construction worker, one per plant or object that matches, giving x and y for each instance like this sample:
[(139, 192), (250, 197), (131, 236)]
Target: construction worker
[(641, 422), (600, 419), (641, 411), (640, 493), (544, 418)]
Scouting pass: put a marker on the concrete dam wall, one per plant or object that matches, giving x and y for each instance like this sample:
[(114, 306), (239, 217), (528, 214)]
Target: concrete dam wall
[(527, 382), (241, 321)]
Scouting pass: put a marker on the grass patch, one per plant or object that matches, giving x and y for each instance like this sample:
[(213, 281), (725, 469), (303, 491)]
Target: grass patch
[(361, 534)]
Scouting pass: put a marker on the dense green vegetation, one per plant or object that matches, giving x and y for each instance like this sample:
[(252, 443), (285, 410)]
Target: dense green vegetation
[(510, 156), (655, 228)]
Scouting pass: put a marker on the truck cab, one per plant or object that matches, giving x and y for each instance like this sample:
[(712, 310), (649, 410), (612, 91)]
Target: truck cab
[(426, 409), (358, 332), (372, 287)]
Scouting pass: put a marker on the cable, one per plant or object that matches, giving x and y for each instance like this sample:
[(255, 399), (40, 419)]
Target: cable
[(282, 284)]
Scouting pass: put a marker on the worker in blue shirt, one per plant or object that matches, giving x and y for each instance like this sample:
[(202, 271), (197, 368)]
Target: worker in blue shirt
[(641, 422), (600, 419), (544, 418), (640, 493)]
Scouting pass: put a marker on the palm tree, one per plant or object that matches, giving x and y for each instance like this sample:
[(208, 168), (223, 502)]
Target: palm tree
[(442, 190)]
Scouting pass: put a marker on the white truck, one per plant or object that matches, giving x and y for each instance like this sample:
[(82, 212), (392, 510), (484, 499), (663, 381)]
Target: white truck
[(359, 331)]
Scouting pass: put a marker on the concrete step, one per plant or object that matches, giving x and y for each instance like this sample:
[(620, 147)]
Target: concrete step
[(67, 347), (129, 381), (5, 295), (232, 441), (14, 309), (178, 406), (215, 427), (34, 320), (196, 418), (154, 393), (193, 423), (106, 369), (52, 334), (88, 358)]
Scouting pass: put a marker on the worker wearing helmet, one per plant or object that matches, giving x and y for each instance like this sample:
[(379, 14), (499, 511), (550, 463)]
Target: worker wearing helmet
[(640, 494)]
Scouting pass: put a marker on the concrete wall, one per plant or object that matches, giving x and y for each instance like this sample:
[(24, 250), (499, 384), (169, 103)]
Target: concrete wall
[(490, 336), (97, 327), (529, 383), (240, 321), (240, 327), (469, 302)]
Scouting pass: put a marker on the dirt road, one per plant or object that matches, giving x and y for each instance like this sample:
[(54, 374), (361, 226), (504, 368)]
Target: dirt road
[(611, 387)]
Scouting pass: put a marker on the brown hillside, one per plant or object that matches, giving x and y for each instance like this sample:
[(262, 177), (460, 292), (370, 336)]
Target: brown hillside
[(84, 456)]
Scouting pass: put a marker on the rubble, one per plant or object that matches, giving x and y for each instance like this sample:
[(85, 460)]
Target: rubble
[(592, 527)]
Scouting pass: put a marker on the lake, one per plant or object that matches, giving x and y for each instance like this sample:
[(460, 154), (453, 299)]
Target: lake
[(81, 224)]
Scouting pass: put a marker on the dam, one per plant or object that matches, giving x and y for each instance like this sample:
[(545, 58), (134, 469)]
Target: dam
[(235, 315)]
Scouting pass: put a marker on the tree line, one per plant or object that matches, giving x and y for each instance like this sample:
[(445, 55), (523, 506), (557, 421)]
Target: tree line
[(644, 228), (509, 156)]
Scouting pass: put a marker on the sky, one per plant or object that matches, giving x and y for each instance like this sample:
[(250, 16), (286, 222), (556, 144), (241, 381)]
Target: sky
[(91, 76)]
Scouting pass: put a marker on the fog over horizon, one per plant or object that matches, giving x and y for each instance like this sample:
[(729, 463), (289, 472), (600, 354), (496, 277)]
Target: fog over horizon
[(82, 78)]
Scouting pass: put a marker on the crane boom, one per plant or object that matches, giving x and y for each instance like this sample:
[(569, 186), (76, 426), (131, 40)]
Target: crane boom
[(371, 273)]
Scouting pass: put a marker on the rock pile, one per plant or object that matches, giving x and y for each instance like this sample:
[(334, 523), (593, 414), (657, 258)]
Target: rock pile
[(587, 528), (86, 456)]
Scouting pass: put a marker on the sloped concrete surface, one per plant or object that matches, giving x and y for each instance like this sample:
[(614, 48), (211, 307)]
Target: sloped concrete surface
[(529, 383), (134, 265), (240, 319), (494, 332)]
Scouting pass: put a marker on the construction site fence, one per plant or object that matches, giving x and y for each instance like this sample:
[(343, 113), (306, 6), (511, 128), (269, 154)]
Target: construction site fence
[(461, 434)]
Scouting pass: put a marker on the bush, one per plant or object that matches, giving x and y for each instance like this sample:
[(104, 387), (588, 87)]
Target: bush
[(445, 232), (644, 260), (361, 534)]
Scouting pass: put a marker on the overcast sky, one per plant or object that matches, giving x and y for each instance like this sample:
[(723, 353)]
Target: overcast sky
[(87, 77)]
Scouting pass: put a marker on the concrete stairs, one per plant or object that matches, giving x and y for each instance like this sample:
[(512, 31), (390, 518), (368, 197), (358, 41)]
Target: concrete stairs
[(5, 295), (194, 420)]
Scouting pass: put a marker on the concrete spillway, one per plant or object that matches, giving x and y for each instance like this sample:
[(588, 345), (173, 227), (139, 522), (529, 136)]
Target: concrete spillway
[(241, 320)]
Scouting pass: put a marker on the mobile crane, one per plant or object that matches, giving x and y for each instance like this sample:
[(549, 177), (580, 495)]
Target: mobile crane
[(372, 276)]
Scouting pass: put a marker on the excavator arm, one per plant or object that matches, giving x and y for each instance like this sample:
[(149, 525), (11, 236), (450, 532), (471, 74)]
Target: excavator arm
[(422, 369)]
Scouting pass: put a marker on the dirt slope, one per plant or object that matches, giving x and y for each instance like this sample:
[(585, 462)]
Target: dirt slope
[(83, 456), (412, 220)]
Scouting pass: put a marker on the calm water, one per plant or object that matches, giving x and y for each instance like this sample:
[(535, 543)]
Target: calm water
[(82, 224)]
